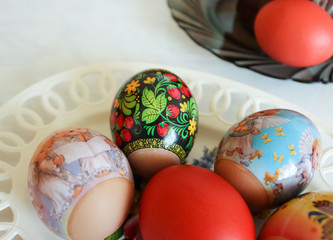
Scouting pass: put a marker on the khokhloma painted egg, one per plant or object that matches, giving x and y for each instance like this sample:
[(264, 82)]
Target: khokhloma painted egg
[(269, 157), (154, 121), (80, 184), (307, 217)]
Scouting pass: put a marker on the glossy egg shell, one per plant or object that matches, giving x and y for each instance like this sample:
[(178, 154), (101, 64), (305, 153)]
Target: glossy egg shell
[(307, 217), (269, 157), (297, 33), (80, 184), (154, 120), (191, 202)]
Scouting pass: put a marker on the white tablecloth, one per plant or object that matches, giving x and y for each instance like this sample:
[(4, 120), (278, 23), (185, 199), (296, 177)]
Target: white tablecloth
[(39, 38)]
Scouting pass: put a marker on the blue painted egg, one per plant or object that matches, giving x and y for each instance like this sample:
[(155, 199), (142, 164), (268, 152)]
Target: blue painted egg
[(269, 157)]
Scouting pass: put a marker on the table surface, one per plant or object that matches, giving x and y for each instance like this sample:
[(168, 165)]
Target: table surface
[(42, 38)]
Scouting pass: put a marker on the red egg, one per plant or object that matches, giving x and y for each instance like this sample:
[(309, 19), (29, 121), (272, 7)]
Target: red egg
[(190, 202), (295, 32)]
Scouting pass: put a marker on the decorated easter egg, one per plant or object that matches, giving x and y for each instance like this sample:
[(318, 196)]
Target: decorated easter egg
[(154, 121), (80, 184), (307, 217), (269, 157)]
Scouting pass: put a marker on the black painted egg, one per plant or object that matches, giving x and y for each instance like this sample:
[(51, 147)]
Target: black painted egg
[(154, 120)]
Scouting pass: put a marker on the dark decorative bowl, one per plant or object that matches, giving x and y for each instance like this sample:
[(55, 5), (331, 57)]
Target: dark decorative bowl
[(225, 28)]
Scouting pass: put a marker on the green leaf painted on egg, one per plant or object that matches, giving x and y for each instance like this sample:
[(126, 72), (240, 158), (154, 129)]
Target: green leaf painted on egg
[(128, 102), (137, 111), (126, 111), (150, 130), (193, 108), (148, 98), (130, 97), (149, 115), (160, 103), (189, 142)]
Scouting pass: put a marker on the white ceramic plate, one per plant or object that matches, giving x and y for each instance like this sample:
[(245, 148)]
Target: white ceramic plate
[(83, 97)]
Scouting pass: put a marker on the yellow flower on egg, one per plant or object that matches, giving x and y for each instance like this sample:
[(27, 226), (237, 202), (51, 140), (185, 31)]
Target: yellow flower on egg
[(183, 107), (132, 86), (116, 103), (150, 80), (193, 126)]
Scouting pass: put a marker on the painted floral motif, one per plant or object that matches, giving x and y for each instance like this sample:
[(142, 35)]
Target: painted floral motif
[(131, 87), (154, 104)]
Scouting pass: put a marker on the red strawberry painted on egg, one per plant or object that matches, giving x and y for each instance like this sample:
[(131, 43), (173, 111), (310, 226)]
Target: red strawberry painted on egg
[(172, 111), (162, 129), (119, 142), (113, 118), (120, 120), (128, 122), (173, 91), (126, 135), (184, 90), (172, 77)]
